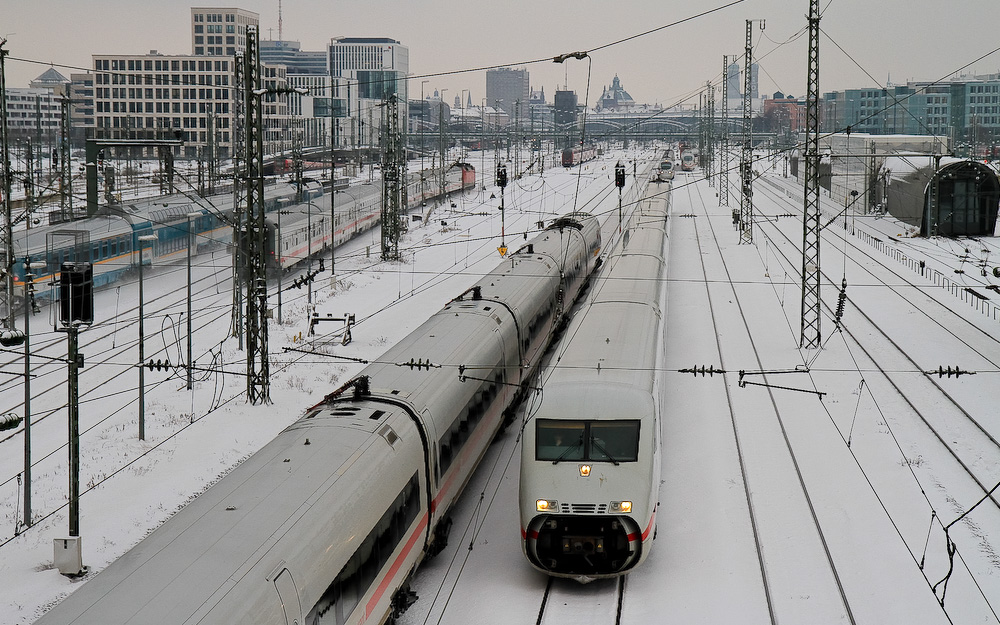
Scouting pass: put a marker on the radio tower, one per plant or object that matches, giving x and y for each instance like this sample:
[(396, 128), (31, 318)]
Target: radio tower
[(258, 370), (393, 179), (810, 337)]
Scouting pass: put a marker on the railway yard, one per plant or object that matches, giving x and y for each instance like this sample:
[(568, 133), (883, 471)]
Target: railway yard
[(855, 483)]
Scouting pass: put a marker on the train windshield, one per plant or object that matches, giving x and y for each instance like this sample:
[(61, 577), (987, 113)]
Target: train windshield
[(596, 441), (666, 165)]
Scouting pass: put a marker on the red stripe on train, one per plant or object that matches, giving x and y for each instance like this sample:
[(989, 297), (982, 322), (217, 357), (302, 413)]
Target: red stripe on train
[(384, 584)]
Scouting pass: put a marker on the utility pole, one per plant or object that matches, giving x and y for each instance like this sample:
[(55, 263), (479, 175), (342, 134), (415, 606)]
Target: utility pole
[(211, 152), (393, 179), (76, 310), (441, 147), (7, 310), (30, 308), (190, 244), (501, 181), (701, 129), (620, 183), (517, 138), (710, 131), (746, 157), (724, 143), (810, 336), (239, 196), (258, 367), (143, 239), (65, 171)]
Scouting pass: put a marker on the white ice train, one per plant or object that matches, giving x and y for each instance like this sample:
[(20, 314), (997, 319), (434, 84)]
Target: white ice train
[(326, 522), (590, 456)]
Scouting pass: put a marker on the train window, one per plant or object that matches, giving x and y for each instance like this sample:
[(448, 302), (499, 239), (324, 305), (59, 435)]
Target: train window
[(616, 441), (557, 440), (359, 573)]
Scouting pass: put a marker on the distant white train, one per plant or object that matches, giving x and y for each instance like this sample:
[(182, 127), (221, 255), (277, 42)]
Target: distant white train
[(688, 161), (590, 461), (665, 172)]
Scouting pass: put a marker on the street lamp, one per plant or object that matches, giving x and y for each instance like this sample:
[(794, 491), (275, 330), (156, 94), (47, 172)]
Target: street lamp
[(143, 239), (482, 128), (423, 124), (465, 126)]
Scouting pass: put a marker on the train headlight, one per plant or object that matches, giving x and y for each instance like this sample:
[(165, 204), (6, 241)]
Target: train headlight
[(585, 470), (546, 505), (623, 507)]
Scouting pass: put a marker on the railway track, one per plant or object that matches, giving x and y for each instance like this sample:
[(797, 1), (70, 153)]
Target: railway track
[(829, 595), (596, 603), (924, 414), (964, 436)]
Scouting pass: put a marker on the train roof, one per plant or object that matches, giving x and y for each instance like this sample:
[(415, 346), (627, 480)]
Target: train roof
[(187, 564), (583, 399)]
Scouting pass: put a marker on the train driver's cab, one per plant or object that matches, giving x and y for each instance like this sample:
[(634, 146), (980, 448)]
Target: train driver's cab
[(614, 441)]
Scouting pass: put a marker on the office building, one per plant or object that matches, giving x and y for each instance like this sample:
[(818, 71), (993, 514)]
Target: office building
[(509, 89), (220, 32)]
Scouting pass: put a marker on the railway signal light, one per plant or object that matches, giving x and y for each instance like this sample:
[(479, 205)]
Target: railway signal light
[(619, 175), (76, 294), (501, 178)]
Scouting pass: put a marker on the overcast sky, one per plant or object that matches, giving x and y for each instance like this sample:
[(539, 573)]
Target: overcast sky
[(897, 39)]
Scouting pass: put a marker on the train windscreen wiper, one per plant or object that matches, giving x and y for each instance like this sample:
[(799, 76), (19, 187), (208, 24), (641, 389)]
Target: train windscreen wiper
[(604, 451), (563, 455)]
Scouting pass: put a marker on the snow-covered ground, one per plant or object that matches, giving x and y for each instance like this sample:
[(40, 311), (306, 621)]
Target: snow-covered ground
[(777, 504)]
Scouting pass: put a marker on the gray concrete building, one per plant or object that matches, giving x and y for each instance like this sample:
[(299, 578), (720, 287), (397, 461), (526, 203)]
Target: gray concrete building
[(511, 88)]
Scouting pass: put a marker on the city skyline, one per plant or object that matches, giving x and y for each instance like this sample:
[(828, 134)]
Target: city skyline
[(446, 41)]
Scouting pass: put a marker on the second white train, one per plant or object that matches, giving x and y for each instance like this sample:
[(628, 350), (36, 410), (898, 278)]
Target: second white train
[(590, 461)]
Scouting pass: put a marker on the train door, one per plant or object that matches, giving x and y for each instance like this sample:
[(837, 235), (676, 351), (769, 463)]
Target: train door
[(289, 598)]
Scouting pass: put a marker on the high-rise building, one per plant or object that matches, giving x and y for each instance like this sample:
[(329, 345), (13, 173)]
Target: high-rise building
[(81, 108), (371, 68), (153, 95), (377, 65), (33, 113), (220, 32), (733, 85), (290, 54), (509, 87), (564, 108)]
